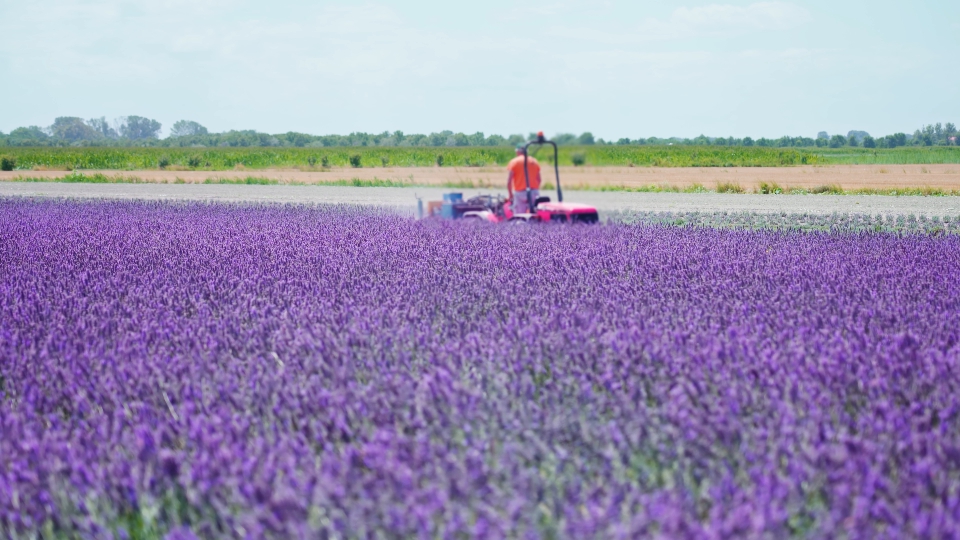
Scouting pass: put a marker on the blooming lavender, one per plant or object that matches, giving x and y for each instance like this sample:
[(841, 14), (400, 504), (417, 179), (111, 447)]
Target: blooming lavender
[(196, 371), (835, 222)]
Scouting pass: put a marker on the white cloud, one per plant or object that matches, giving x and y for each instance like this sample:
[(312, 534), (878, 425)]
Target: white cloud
[(359, 45), (336, 66), (98, 40), (233, 64)]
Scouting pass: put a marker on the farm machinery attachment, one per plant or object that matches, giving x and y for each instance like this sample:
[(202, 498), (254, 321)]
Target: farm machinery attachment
[(497, 209)]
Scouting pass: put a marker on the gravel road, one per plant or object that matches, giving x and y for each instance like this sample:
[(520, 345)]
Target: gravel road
[(403, 199)]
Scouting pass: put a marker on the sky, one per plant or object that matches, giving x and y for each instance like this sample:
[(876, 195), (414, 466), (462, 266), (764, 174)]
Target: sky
[(615, 68)]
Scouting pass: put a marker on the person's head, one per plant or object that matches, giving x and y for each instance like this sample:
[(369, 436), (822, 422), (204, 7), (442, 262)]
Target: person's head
[(519, 150)]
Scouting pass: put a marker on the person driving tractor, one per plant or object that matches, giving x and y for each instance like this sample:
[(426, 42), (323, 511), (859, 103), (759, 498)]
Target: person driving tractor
[(517, 183)]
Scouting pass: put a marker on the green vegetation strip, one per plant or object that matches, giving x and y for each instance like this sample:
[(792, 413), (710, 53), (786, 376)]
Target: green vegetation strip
[(764, 189), (218, 159), (100, 178)]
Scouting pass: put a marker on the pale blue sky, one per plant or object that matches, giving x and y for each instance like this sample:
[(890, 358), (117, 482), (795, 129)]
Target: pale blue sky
[(616, 68)]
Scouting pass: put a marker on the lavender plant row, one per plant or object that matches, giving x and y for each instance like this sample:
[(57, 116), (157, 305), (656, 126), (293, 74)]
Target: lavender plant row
[(835, 222), (189, 370)]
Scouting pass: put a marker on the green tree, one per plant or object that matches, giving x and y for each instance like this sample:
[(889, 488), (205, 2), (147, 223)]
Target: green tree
[(101, 126), (28, 136), (837, 141), (457, 139), (586, 138), (950, 134), (565, 138), (495, 140), (857, 136), (869, 142), (73, 129), (188, 128), (414, 140), (138, 128), (477, 139), (917, 138), (747, 141), (291, 138), (439, 139)]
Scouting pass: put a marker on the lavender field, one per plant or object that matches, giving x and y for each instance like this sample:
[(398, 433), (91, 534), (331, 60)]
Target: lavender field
[(204, 371)]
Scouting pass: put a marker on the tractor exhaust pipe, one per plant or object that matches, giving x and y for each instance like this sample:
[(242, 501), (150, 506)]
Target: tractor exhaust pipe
[(540, 141)]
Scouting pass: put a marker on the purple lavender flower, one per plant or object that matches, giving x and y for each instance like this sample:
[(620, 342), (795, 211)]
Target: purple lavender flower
[(249, 371)]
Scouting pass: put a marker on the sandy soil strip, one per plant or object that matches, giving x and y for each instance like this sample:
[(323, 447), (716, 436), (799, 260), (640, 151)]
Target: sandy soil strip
[(849, 177)]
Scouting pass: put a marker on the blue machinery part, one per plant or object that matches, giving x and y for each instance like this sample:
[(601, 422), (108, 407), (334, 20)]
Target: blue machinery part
[(447, 211)]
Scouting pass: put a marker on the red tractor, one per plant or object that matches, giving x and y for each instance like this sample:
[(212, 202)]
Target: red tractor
[(495, 208)]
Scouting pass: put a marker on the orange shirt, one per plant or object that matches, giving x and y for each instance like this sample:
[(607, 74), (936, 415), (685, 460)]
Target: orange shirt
[(516, 167)]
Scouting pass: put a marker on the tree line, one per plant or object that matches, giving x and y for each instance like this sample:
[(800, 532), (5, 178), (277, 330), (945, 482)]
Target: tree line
[(142, 131), (931, 135)]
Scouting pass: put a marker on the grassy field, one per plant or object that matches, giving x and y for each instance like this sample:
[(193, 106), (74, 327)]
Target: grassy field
[(318, 158)]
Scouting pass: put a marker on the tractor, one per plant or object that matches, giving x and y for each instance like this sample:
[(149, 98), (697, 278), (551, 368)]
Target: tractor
[(497, 209)]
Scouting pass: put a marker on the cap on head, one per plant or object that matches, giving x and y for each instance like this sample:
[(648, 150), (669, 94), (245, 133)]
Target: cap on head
[(519, 149)]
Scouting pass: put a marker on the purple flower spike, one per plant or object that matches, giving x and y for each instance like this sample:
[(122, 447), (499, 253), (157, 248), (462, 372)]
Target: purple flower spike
[(185, 370)]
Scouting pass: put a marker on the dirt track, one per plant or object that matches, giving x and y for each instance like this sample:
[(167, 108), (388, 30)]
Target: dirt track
[(848, 177), (404, 199)]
